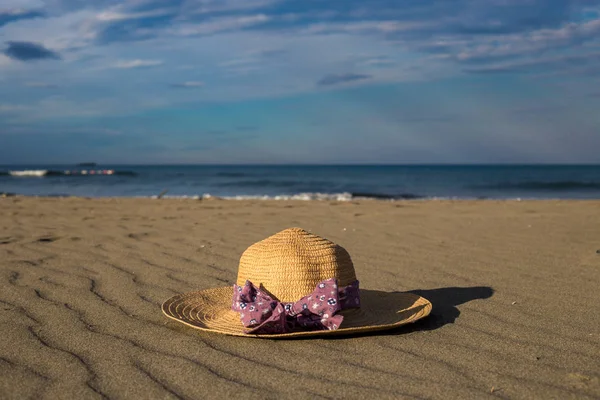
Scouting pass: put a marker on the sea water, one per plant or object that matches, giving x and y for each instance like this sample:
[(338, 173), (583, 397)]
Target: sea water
[(306, 182)]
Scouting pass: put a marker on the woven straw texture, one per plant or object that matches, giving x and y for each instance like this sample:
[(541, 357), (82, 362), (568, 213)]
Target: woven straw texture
[(292, 262), (289, 265)]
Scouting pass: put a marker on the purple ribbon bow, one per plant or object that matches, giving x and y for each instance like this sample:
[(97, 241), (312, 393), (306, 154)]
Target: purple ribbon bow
[(316, 311)]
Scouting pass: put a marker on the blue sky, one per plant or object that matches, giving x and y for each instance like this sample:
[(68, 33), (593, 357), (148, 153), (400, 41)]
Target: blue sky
[(273, 81)]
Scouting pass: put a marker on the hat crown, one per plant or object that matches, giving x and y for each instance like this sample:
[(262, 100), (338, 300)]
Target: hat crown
[(291, 263)]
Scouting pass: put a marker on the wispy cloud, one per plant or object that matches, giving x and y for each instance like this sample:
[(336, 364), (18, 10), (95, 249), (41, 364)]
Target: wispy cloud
[(532, 43), (129, 64), (370, 61), (220, 25), (336, 79), (4, 60), (112, 16), (223, 6), (28, 51), (189, 84), (563, 62), (379, 62), (252, 61), (381, 26), (16, 14)]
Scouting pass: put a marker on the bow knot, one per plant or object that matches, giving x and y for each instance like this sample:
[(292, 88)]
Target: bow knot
[(316, 311)]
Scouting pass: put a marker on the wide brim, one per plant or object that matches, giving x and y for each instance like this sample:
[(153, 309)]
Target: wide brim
[(210, 310)]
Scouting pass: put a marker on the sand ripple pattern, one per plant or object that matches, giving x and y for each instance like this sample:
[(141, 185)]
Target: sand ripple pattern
[(514, 288)]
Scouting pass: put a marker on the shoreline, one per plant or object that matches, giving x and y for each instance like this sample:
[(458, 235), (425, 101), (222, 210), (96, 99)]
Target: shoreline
[(302, 197)]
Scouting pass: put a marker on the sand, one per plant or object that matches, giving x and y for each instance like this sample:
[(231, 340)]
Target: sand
[(515, 289)]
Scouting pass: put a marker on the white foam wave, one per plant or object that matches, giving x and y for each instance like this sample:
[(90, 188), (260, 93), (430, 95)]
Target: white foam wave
[(29, 172), (299, 196), (303, 197)]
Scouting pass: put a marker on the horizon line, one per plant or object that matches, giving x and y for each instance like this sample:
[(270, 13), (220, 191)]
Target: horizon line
[(98, 164)]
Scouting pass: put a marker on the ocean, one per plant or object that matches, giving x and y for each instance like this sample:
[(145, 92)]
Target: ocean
[(306, 182)]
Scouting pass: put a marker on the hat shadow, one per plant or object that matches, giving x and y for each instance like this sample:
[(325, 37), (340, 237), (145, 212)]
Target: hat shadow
[(445, 300), (444, 311)]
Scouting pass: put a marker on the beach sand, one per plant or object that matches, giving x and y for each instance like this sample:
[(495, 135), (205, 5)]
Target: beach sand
[(514, 285)]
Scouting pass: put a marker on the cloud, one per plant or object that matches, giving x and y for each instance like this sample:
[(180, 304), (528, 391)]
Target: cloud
[(448, 36), (370, 61), (148, 19), (538, 42), (248, 49), (29, 51), (494, 69), (252, 61), (63, 33), (378, 27), (223, 6), (16, 14), (466, 32), (111, 16), (189, 84), (457, 32), (563, 62), (129, 64), (336, 79), (4, 60), (220, 25), (379, 62), (134, 21)]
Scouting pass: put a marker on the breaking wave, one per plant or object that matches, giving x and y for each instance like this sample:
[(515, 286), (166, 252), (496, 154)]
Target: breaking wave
[(42, 173), (344, 196)]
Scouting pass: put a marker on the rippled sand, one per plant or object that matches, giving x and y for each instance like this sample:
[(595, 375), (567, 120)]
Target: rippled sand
[(514, 287)]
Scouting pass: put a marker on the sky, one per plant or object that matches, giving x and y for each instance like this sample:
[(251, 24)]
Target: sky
[(299, 81)]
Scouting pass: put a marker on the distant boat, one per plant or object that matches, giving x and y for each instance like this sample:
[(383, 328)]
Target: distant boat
[(87, 164)]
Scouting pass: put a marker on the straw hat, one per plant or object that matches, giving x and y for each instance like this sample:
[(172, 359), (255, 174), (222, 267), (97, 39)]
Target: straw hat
[(287, 267)]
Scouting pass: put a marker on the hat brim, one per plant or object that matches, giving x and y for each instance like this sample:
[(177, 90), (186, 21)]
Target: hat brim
[(210, 310)]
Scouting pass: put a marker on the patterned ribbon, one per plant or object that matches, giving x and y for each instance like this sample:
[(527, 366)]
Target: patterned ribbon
[(316, 311)]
